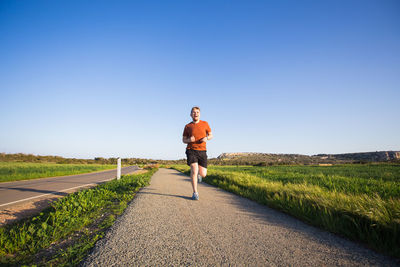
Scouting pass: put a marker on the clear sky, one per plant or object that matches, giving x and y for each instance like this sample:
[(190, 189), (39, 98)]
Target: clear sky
[(118, 78)]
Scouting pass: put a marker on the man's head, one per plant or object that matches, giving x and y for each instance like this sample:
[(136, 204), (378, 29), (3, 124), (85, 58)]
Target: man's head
[(195, 114)]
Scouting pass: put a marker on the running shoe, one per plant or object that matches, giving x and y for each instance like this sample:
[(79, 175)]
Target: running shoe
[(195, 196), (199, 178)]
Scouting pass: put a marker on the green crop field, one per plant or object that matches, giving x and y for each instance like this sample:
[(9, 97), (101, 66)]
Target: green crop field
[(361, 202), (14, 171)]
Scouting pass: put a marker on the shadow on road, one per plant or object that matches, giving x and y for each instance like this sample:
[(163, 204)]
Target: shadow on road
[(167, 195)]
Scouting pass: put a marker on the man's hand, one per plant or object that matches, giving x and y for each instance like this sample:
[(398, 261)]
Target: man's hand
[(188, 140), (204, 139)]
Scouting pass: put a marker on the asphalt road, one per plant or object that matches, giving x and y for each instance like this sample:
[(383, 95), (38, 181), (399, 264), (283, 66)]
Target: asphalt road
[(12, 193), (162, 226)]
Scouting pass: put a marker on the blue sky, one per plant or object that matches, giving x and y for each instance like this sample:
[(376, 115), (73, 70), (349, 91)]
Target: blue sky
[(118, 78)]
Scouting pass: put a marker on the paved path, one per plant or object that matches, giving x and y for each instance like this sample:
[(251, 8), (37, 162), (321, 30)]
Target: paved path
[(12, 193), (163, 226)]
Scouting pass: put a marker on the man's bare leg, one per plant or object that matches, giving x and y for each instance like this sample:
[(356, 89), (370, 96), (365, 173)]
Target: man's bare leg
[(202, 173), (194, 170)]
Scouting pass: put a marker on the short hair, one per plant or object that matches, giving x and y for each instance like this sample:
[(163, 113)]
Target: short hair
[(196, 107)]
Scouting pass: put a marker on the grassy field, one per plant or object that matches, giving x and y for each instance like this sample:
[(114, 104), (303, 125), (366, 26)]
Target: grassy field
[(63, 234), (361, 202), (15, 171)]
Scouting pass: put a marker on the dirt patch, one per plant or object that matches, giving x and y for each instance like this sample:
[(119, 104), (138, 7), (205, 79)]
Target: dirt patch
[(26, 209)]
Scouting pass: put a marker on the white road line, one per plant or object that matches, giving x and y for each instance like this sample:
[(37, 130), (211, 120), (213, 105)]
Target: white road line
[(29, 198), (43, 178)]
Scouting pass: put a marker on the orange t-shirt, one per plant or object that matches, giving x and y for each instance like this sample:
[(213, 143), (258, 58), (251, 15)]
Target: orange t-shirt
[(198, 130)]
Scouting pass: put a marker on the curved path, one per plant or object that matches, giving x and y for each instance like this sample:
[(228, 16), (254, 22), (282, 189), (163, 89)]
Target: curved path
[(163, 226)]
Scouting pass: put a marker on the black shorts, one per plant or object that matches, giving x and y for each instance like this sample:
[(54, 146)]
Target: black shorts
[(196, 156)]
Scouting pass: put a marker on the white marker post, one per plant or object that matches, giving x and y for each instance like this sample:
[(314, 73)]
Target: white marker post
[(119, 168)]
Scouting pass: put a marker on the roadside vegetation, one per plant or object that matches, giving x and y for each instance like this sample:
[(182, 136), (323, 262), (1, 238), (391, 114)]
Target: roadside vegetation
[(360, 202), (63, 234), (15, 171)]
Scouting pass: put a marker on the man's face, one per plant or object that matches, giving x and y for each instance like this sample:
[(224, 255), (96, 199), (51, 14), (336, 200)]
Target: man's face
[(195, 114)]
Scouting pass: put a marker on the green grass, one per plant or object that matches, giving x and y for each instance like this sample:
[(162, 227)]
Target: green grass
[(15, 171), (382, 179), (63, 234), (361, 202)]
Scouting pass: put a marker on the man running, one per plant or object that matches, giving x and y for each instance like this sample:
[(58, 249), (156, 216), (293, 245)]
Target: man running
[(195, 135)]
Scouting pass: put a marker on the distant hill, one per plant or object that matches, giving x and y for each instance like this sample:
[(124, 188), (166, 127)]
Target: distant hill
[(365, 156), (250, 158)]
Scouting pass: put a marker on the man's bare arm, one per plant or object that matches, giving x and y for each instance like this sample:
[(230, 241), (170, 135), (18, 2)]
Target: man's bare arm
[(210, 136)]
